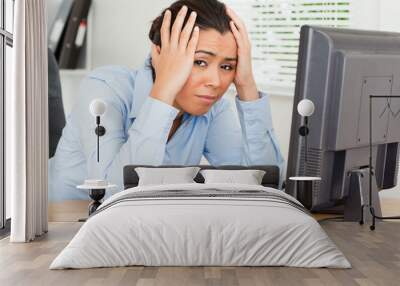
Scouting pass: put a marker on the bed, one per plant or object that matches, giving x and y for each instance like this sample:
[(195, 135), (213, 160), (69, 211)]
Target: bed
[(199, 224)]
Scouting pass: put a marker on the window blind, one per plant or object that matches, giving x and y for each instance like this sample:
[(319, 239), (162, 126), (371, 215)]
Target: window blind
[(274, 30)]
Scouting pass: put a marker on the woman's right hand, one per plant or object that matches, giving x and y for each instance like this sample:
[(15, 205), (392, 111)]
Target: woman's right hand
[(174, 61)]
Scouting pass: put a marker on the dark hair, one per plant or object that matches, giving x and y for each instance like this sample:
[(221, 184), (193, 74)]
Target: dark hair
[(211, 14)]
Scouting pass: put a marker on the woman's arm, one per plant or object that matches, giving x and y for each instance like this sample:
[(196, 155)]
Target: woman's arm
[(173, 61), (251, 141), (254, 141), (144, 143)]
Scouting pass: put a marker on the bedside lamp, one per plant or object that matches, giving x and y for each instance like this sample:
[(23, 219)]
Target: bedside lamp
[(305, 108), (97, 108), (97, 187), (304, 184)]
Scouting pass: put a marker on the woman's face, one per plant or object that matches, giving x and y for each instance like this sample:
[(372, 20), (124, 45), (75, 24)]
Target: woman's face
[(213, 71)]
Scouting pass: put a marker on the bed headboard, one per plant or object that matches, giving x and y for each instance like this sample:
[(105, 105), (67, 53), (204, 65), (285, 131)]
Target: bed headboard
[(270, 179)]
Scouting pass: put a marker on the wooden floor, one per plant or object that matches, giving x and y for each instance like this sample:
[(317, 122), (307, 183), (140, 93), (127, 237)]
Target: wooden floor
[(374, 255)]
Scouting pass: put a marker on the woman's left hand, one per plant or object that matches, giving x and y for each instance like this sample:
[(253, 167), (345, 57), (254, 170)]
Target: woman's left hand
[(244, 79)]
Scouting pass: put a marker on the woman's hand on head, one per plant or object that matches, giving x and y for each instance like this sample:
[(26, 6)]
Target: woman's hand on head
[(173, 62), (244, 79)]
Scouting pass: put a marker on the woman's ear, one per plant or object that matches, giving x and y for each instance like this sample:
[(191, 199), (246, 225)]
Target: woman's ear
[(155, 55)]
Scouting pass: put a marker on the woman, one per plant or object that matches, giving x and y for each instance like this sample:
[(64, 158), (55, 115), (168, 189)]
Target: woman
[(171, 111)]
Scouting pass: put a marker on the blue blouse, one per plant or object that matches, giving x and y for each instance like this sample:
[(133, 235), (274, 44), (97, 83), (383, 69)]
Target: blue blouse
[(137, 128)]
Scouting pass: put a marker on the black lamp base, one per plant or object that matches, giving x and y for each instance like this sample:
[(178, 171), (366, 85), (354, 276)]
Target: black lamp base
[(96, 195), (305, 193)]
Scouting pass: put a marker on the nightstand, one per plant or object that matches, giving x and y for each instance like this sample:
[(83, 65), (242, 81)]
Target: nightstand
[(96, 193), (304, 190)]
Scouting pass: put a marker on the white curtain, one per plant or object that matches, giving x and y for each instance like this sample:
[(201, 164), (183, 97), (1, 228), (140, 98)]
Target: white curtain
[(27, 123)]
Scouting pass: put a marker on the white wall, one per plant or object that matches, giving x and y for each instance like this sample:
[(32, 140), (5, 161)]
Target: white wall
[(389, 15), (119, 35)]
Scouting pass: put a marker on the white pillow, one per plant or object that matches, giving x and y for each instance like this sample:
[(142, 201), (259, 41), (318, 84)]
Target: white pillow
[(248, 177), (162, 176)]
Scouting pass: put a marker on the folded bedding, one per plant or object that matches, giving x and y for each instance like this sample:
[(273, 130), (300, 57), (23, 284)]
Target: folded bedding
[(201, 225)]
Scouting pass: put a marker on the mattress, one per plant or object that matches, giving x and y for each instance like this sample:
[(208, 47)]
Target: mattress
[(201, 225)]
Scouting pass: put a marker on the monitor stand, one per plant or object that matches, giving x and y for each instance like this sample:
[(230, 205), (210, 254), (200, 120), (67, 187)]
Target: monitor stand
[(359, 196)]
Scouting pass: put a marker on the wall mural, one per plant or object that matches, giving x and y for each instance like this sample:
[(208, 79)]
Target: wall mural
[(171, 111)]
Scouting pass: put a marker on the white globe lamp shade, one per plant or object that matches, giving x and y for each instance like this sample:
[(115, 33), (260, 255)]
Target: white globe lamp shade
[(305, 107), (97, 107)]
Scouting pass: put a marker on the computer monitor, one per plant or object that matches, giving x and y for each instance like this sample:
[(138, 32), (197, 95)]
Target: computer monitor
[(338, 69)]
